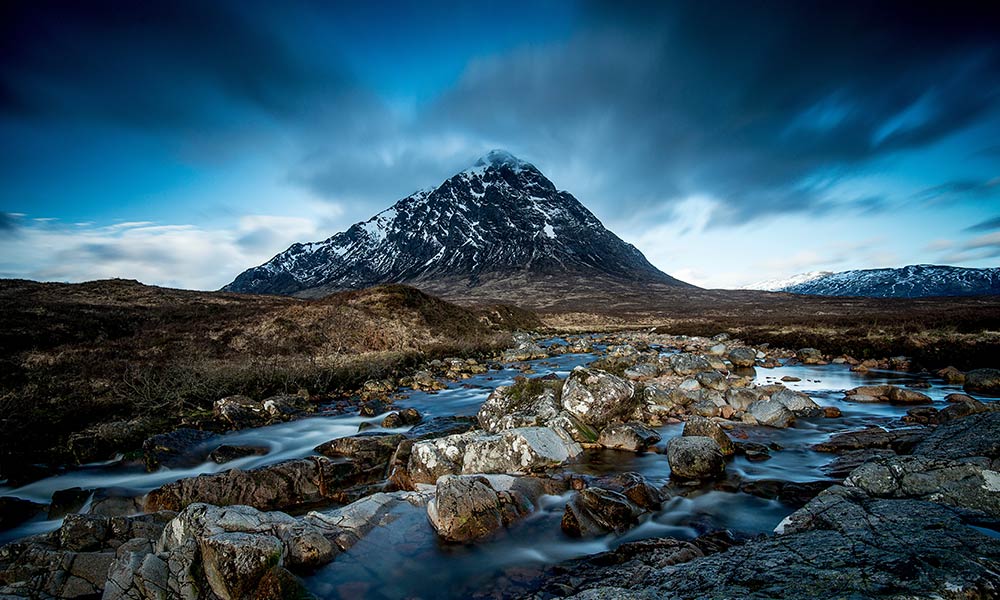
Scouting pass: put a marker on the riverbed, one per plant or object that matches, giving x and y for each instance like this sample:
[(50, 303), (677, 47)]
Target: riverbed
[(406, 559)]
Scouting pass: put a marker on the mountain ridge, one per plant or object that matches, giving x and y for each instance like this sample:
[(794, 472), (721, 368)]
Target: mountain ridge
[(500, 217), (911, 281)]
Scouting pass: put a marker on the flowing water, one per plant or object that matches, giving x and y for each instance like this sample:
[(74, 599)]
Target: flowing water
[(406, 559)]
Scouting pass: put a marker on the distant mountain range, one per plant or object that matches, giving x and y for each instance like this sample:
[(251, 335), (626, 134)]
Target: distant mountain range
[(913, 281), (499, 220)]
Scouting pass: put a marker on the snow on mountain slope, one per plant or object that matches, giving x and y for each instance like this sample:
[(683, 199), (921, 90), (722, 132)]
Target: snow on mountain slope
[(500, 216), (913, 281), (774, 285)]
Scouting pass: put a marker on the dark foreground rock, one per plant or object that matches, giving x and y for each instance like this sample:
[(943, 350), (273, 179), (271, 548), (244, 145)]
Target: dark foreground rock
[(280, 486)]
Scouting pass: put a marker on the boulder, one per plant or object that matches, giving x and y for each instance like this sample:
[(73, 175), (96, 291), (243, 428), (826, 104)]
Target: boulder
[(977, 435), (885, 393), (430, 459), (742, 357), (596, 397), (347, 525), (521, 450), (596, 511), (809, 356), (467, 507), (526, 403), (689, 364), (800, 404), (369, 449), (951, 375), (642, 372), (771, 413), (898, 440), (402, 418), (183, 447), (279, 486), (695, 457), (632, 437), (983, 381), (702, 427)]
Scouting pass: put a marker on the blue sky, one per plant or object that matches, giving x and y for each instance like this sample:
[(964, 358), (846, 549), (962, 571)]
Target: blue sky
[(180, 143)]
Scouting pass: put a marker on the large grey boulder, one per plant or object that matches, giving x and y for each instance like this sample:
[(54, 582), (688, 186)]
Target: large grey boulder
[(742, 357), (526, 403), (695, 457), (521, 450), (596, 397), (885, 393), (468, 507), (799, 403), (347, 525), (770, 412), (430, 459), (632, 437)]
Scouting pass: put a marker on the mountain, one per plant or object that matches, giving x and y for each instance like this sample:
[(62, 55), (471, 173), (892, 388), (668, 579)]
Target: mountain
[(913, 281), (501, 219), (774, 285)]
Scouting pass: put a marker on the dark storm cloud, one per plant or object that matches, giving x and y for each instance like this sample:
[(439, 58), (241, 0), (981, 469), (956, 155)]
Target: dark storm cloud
[(156, 65), (765, 106)]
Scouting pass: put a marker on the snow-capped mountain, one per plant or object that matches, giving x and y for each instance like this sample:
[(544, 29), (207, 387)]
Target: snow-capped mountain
[(913, 281), (775, 285), (498, 218)]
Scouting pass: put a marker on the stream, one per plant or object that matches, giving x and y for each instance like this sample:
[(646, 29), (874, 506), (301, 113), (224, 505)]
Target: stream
[(406, 559)]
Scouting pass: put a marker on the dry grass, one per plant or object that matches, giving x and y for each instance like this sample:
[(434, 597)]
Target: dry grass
[(76, 356)]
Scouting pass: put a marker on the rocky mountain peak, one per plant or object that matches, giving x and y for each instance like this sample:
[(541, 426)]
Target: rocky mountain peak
[(498, 218)]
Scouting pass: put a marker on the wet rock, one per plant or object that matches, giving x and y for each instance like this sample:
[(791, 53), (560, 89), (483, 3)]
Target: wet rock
[(809, 356), (945, 481), (741, 398), (922, 415), (430, 459), (951, 375), (975, 435), (712, 380), (115, 502), (522, 450), (742, 357), (73, 561), (595, 511), (441, 426), (279, 486), (791, 493), (632, 437), (234, 563), (66, 501), (771, 413), (689, 364), (842, 466), (226, 453), (790, 378), (425, 380), (642, 372), (898, 440), (14, 511), (959, 408), (753, 451), (369, 449), (467, 507), (183, 447), (702, 427), (573, 427), (983, 381), (240, 412), (885, 393), (373, 407), (800, 404), (596, 397), (695, 457), (526, 403), (402, 418), (347, 525)]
